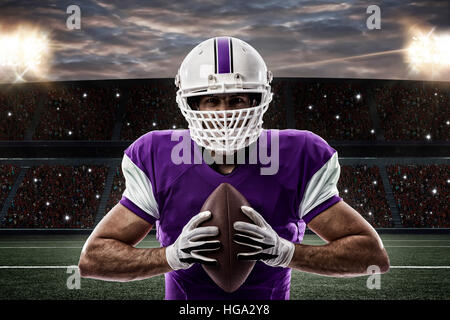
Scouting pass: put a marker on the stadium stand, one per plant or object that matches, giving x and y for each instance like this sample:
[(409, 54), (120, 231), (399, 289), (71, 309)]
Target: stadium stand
[(413, 113), (16, 111), (57, 197), (117, 189), (151, 106), (422, 193), (77, 113), (361, 188), (335, 111), (8, 173)]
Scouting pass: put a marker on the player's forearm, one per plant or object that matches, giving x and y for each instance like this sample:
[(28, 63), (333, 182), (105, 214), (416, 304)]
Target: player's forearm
[(346, 257), (113, 260)]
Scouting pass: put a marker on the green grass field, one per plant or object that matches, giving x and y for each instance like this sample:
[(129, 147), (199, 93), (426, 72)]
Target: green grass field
[(420, 269)]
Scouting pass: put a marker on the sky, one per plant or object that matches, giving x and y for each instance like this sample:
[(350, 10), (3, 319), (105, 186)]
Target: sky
[(149, 39)]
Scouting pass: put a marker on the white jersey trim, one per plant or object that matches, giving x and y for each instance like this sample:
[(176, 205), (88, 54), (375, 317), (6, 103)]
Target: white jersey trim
[(321, 187), (139, 189)]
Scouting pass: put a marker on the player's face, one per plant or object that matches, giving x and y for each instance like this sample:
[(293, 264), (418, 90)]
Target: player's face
[(224, 102)]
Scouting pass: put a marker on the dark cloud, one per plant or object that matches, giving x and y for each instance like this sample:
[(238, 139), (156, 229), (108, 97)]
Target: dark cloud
[(137, 38)]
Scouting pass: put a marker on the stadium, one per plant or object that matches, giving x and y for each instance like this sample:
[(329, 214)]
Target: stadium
[(62, 140), (61, 174)]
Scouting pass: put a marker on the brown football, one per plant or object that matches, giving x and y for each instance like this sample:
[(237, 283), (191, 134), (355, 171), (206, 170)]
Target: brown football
[(225, 205)]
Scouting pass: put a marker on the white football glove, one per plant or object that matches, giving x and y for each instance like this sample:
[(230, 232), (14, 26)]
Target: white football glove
[(269, 246), (183, 253)]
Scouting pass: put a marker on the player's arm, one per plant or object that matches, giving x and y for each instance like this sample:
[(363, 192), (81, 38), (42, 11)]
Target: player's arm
[(352, 245), (109, 252)]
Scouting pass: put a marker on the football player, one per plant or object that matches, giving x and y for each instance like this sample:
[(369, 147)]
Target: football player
[(223, 92)]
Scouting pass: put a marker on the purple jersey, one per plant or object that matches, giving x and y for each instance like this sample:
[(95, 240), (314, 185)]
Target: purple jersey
[(169, 195)]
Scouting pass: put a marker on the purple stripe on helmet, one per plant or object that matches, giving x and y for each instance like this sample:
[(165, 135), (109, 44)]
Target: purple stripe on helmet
[(223, 55)]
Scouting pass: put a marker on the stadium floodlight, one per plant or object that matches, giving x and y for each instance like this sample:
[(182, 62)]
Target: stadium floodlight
[(22, 51), (70, 133), (9, 114), (428, 136), (117, 95), (429, 52), (372, 131)]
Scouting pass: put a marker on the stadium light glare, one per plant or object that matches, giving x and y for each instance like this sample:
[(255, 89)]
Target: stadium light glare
[(47, 203), (67, 218), (117, 95), (375, 182), (84, 95), (428, 136), (89, 170), (337, 117), (154, 124), (9, 114), (372, 131), (310, 107), (448, 180), (448, 122), (358, 96), (24, 50), (428, 52), (70, 133)]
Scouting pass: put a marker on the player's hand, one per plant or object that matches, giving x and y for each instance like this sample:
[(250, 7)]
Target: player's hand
[(269, 246), (184, 252)]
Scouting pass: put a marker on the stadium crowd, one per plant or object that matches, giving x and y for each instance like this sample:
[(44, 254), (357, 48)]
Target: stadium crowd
[(57, 197), (8, 173), (77, 113), (334, 111), (17, 108), (150, 107), (422, 193), (362, 188), (117, 189), (413, 113)]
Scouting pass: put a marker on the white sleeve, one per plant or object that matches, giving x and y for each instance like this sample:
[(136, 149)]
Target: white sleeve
[(321, 187), (139, 188)]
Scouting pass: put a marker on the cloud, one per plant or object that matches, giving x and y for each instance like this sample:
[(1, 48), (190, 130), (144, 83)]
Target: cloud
[(137, 38)]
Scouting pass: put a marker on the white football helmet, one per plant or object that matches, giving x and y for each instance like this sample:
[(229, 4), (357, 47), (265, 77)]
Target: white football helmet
[(223, 65)]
